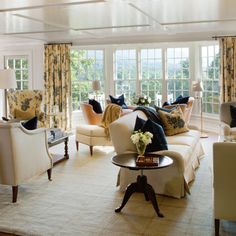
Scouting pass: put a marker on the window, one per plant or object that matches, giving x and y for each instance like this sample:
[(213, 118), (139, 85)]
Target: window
[(125, 73), (86, 66), (177, 72), (210, 78), (151, 74), (21, 66)]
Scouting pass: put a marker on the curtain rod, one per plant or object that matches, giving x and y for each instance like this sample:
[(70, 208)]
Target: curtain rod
[(57, 43), (223, 36)]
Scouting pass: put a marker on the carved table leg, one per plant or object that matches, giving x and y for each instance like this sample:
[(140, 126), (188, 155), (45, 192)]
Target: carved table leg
[(141, 186), (129, 191)]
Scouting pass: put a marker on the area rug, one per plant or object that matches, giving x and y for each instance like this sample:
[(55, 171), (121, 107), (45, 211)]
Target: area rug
[(81, 198)]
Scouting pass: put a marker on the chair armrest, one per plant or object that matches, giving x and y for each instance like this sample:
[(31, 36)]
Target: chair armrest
[(225, 128)]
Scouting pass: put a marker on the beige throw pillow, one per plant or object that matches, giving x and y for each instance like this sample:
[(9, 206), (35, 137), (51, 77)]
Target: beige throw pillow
[(24, 115), (173, 122)]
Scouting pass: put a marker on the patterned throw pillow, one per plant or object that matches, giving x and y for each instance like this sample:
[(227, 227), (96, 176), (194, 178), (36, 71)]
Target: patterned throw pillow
[(24, 115), (173, 122)]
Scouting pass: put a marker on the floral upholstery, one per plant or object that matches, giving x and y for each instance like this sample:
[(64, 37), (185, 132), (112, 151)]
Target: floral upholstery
[(26, 101)]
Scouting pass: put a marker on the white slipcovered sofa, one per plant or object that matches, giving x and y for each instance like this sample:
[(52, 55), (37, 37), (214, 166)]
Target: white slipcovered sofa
[(185, 149)]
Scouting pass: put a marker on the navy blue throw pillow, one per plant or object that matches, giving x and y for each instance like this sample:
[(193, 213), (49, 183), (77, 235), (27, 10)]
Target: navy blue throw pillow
[(119, 101), (181, 100), (233, 116), (165, 104), (139, 123), (31, 124), (159, 139), (96, 106)]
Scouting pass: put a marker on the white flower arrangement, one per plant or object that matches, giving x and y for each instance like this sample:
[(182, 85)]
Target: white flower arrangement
[(142, 100), (140, 137)]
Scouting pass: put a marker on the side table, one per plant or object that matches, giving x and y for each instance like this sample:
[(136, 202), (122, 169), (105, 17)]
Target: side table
[(129, 161)]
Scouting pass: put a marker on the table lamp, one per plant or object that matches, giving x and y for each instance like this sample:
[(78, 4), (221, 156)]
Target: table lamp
[(197, 88), (7, 81), (96, 86)]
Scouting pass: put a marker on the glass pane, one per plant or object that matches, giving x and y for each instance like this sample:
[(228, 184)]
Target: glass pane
[(215, 108), (25, 84), (144, 54), (24, 63), (185, 52), (18, 85), (10, 63), (18, 75), (17, 64), (177, 52), (151, 53), (25, 74), (170, 68), (170, 53), (204, 51)]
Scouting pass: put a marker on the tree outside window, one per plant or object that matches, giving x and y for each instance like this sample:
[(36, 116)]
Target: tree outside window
[(177, 72), (86, 66), (151, 75), (125, 73), (210, 78)]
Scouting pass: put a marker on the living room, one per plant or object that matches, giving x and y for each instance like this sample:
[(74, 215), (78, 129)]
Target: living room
[(159, 49)]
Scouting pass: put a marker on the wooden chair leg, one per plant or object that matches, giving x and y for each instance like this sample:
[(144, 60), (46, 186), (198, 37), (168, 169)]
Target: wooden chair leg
[(14, 193), (49, 171), (77, 145), (91, 150), (217, 227)]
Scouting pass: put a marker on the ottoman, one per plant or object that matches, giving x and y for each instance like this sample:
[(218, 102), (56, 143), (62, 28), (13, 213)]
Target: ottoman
[(91, 135)]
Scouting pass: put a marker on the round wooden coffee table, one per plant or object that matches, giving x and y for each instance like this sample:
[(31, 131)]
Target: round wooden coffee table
[(128, 160)]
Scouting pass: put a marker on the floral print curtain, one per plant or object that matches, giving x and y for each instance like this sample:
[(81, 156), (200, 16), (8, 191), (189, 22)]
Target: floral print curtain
[(228, 69), (57, 86)]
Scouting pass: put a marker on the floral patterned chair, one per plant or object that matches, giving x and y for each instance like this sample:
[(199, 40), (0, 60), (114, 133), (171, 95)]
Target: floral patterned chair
[(26, 104)]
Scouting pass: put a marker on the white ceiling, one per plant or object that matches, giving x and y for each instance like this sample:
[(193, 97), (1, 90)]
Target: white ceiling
[(115, 21)]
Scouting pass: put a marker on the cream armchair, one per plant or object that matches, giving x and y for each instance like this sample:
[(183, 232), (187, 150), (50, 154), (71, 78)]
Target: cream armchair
[(225, 119), (224, 163), (23, 155)]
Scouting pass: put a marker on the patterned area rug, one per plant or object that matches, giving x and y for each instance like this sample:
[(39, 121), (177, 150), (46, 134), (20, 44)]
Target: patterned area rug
[(82, 197)]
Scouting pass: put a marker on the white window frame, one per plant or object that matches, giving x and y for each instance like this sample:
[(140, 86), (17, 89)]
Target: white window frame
[(207, 44), (104, 69), (6, 58), (20, 53)]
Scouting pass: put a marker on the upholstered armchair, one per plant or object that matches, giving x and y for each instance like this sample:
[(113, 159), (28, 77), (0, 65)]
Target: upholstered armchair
[(23, 155), (90, 116), (26, 104), (224, 176), (225, 119), (186, 109)]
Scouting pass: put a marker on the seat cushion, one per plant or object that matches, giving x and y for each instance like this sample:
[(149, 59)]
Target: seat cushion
[(91, 130)]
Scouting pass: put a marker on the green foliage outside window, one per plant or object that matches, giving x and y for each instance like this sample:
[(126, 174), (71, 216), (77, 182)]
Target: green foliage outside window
[(86, 66)]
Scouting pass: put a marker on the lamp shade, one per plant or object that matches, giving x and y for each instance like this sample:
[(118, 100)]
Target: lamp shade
[(7, 79), (96, 85), (197, 86)]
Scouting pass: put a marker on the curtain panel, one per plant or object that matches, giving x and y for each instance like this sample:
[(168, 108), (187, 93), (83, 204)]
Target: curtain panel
[(57, 85), (228, 69)]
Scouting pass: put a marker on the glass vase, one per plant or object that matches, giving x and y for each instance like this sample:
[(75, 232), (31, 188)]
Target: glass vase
[(141, 147)]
